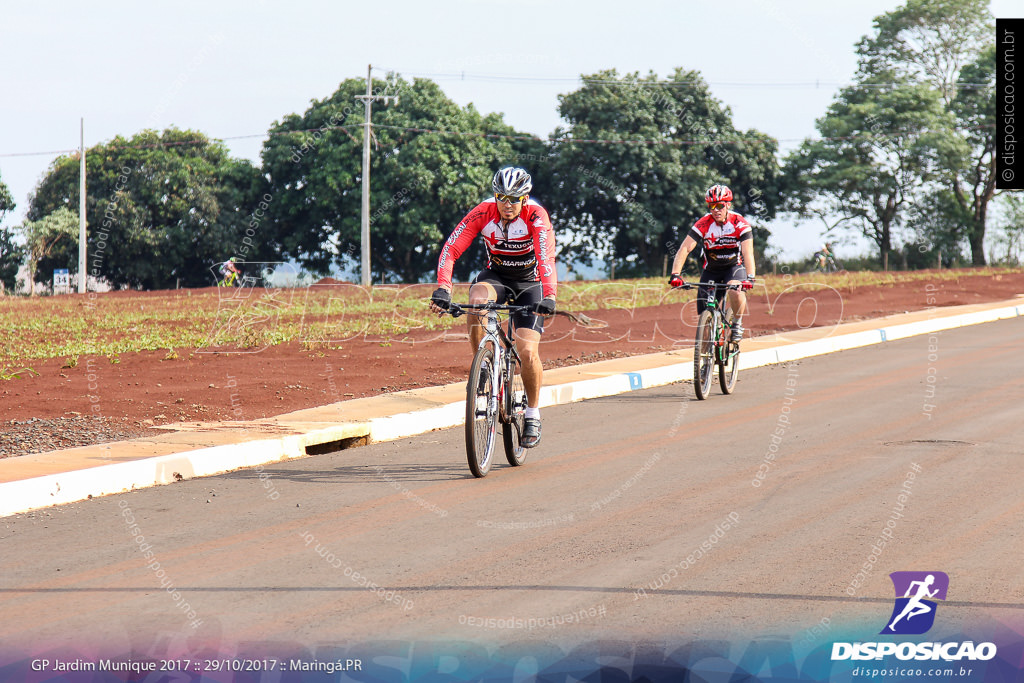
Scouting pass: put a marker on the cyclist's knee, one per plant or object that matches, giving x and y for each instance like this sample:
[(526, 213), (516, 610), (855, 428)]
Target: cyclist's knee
[(481, 293), (527, 345), (530, 356)]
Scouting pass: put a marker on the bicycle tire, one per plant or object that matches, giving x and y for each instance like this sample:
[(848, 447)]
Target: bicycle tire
[(704, 355), (481, 413), (515, 415), (728, 367)]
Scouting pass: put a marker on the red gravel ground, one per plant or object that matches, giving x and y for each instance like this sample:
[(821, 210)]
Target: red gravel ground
[(145, 389)]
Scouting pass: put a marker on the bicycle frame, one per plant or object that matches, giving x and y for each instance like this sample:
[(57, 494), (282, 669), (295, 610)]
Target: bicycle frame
[(494, 335), (502, 342), (712, 304)]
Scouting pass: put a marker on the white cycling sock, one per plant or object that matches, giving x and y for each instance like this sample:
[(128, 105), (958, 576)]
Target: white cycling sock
[(532, 413)]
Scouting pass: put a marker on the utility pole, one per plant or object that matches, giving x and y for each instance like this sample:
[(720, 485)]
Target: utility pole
[(368, 98), (81, 213)]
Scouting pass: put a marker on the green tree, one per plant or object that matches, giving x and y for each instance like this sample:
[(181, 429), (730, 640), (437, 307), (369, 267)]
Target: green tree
[(972, 185), (938, 225), (422, 183), (161, 208), (948, 44), (11, 253), (1008, 245), (632, 202), (45, 235), (927, 41), (881, 143), (6, 201)]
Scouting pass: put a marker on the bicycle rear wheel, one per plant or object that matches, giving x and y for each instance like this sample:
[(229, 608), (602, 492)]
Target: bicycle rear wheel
[(515, 414), (729, 364), (704, 355), (481, 412)]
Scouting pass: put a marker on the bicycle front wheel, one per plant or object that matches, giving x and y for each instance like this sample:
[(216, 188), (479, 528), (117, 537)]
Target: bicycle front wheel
[(729, 364), (515, 414), (704, 355), (481, 412)]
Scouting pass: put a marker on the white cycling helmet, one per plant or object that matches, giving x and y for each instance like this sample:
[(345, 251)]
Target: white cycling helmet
[(512, 181)]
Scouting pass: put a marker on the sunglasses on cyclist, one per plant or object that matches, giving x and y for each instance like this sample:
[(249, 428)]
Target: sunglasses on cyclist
[(719, 206), (508, 198)]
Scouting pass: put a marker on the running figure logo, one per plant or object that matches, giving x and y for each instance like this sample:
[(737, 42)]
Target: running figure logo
[(914, 613)]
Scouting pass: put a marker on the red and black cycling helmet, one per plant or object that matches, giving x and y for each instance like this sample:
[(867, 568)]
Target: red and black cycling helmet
[(718, 193)]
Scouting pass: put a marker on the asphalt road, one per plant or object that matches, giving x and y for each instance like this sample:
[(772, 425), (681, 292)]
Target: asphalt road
[(644, 517)]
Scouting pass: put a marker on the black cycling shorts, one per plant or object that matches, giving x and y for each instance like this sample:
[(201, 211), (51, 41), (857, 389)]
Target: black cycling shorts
[(719, 276), (516, 293)]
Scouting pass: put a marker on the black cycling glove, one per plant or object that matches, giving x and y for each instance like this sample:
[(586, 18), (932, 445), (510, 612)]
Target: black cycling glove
[(441, 298), (544, 307)]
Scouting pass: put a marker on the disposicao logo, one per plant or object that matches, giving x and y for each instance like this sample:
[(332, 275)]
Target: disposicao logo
[(914, 614)]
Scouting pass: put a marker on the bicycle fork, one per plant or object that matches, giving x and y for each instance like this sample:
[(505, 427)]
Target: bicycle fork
[(497, 384)]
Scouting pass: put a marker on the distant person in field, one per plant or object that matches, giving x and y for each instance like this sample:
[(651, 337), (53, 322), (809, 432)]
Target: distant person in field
[(825, 260), (229, 272)]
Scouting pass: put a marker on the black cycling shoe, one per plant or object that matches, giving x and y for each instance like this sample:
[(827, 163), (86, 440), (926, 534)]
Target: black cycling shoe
[(531, 433)]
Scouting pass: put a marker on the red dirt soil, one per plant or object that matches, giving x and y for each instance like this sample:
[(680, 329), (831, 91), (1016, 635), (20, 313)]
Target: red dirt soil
[(144, 388)]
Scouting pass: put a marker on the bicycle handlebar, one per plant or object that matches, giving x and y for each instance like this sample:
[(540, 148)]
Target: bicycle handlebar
[(455, 310), (714, 285)]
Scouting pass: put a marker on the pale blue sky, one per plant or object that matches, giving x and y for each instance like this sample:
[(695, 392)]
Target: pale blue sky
[(232, 68)]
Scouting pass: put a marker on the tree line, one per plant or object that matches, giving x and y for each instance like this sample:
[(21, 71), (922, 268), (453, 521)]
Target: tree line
[(903, 156)]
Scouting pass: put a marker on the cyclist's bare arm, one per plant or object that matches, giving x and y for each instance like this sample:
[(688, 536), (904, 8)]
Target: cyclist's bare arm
[(747, 252), (684, 250)]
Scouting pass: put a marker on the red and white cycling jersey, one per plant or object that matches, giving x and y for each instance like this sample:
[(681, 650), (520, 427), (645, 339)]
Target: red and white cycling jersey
[(524, 250), (722, 242)]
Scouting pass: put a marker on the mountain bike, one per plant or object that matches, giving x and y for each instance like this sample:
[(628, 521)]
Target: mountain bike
[(713, 345), (495, 391), (824, 263), (230, 278)]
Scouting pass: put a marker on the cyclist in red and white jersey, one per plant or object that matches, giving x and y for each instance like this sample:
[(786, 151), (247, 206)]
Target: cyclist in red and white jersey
[(728, 242), (520, 270)]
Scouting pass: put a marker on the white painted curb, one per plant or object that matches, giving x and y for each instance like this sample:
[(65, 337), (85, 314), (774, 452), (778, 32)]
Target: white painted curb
[(76, 485)]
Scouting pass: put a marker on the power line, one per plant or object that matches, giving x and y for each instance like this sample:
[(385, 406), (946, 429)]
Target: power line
[(38, 154), (178, 143), (669, 83), (501, 136), (737, 141)]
